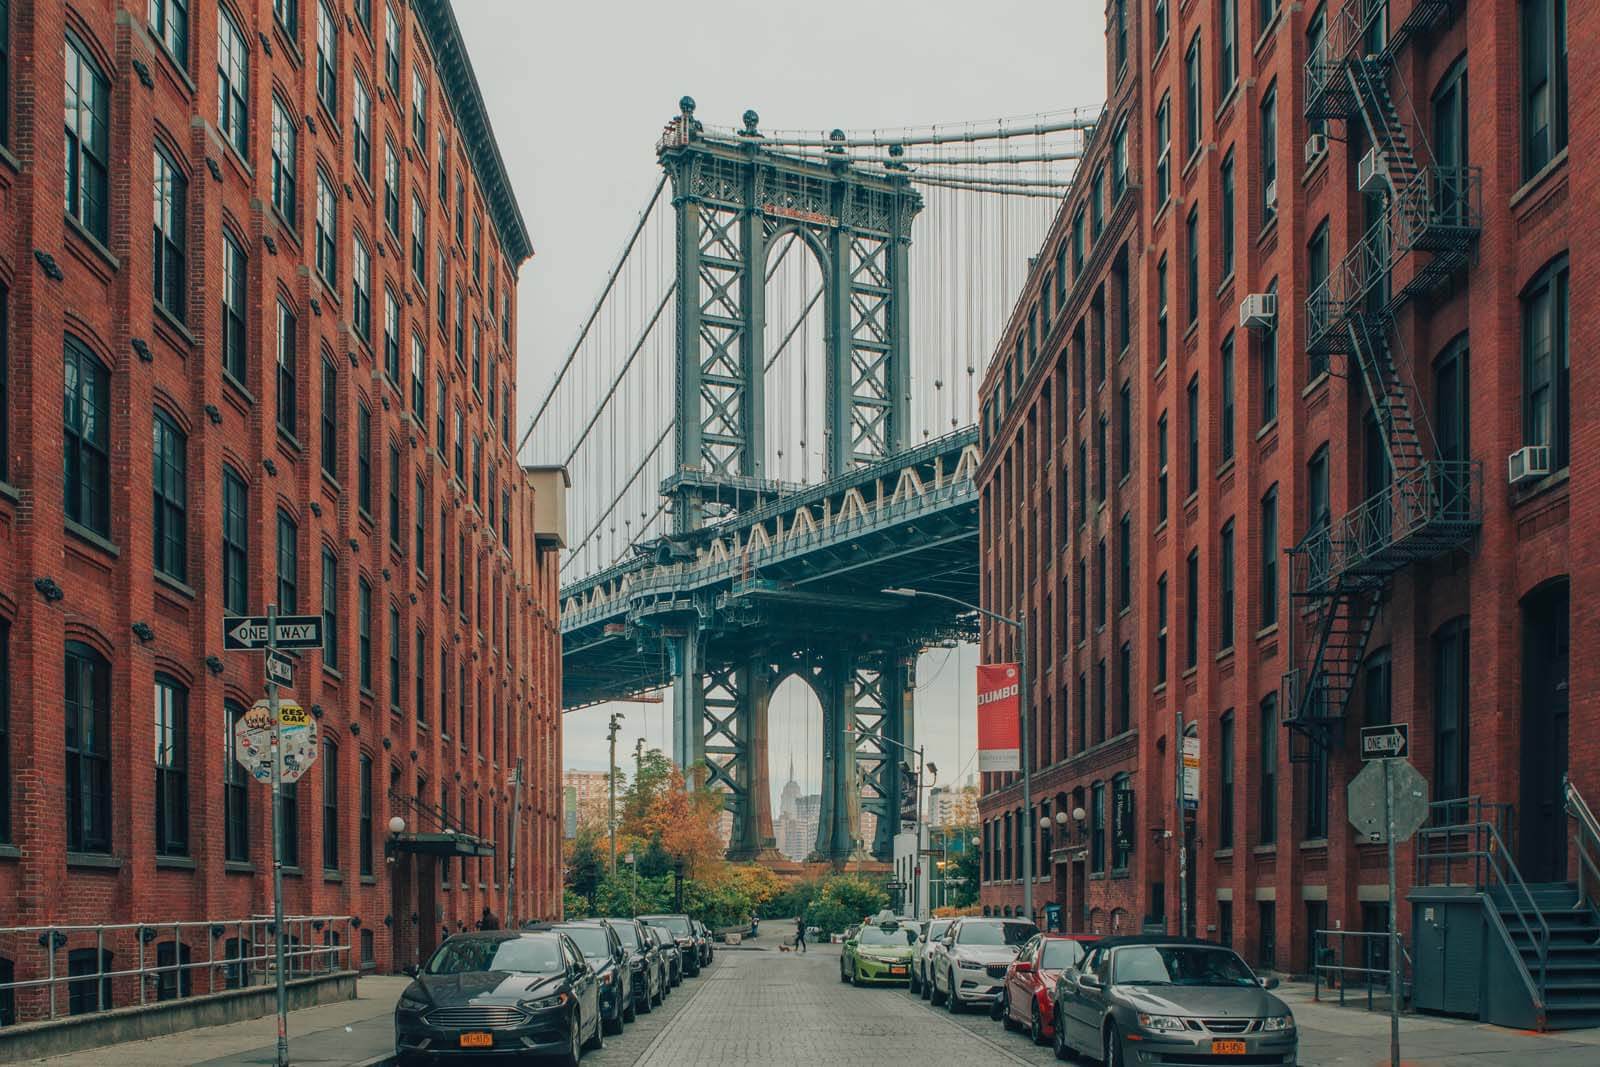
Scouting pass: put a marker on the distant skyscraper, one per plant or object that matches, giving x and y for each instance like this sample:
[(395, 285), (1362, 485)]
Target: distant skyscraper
[(796, 833)]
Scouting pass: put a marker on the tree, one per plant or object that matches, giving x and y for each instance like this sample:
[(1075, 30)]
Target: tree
[(963, 874), (584, 864), (683, 821)]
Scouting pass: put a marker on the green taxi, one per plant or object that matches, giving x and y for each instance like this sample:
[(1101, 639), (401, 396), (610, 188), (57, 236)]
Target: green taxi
[(878, 952)]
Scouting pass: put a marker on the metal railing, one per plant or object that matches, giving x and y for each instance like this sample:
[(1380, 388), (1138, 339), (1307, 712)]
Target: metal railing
[(83, 958), (1331, 968), (1586, 837)]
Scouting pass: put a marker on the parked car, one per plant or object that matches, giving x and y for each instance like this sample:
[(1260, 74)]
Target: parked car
[(931, 935), (681, 929), (1028, 996), (602, 947), (708, 950), (973, 963), (1171, 999), (880, 952), (648, 967), (513, 992), (669, 950)]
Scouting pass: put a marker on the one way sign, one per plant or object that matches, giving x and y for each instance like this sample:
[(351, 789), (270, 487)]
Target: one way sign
[(249, 634), (1389, 741)]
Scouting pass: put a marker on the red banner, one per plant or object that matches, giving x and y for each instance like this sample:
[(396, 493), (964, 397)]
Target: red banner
[(999, 731)]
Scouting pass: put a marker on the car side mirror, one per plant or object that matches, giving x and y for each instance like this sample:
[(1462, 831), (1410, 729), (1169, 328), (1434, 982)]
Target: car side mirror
[(1088, 981), (948, 941), (1267, 983), (411, 970)]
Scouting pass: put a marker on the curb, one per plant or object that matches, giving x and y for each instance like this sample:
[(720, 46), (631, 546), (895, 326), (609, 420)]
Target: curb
[(376, 1061)]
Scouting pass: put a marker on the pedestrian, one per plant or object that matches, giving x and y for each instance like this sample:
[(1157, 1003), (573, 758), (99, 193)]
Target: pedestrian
[(800, 934), (488, 921)]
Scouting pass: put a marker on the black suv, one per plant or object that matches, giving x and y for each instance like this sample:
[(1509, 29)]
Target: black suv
[(682, 930), (602, 947), (647, 969)]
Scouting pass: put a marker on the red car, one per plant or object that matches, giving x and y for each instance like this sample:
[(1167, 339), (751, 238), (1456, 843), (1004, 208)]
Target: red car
[(1029, 994)]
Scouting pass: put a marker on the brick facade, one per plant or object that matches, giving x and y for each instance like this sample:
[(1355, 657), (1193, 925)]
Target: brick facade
[(1499, 609), (142, 620)]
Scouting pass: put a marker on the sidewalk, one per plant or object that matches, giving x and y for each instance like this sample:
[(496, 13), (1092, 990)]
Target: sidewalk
[(348, 1033), (1330, 1034)]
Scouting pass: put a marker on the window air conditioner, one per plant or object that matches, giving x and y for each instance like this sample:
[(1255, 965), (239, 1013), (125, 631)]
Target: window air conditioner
[(1258, 311), (1372, 173), (1272, 195), (1316, 147), (1527, 463)]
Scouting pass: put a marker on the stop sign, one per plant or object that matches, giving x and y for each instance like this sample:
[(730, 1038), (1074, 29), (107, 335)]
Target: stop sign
[(297, 737)]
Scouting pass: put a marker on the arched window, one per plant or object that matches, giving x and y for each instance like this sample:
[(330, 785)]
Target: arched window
[(172, 766), (330, 806), (235, 790), (88, 139), (88, 749), (85, 438), (170, 475)]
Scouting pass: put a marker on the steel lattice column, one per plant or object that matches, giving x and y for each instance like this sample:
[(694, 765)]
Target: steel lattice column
[(884, 723), (838, 820)]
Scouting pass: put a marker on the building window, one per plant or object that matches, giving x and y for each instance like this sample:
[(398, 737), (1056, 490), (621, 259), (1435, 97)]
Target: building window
[(391, 336), (1377, 685), (288, 370), (1227, 224), (1451, 684), (394, 659), (284, 180), (419, 379), (172, 767), (364, 633), (88, 749), (391, 188), (1191, 656), (419, 109), (327, 231), (235, 543), (1269, 558), (88, 106), (234, 331), (1100, 582), (391, 50), (1225, 601), (330, 806), (1267, 347), (1267, 923), (1164, 150), (394, 496), (1125, 563), (1318, 515), (86, 412), (169, 477), (1192, 239), (419, 675), (5, 81), (5, 728), (330, 609), (1119, 162), (1228, 47), (235, 790), (287, 13), (5, 369), (1226, 428), (1192, 431), (364, 783), (1225, 781), (1161, 630), (461, 447), (289, 825), (420, 525), (1097, 828), (361, 128), (1159, 23), (1269, 155), (330, 418), (1544, 83), (1546, 367), (1317, 267), (441, 405), (327, 58), (91, 991), (1119, 32), (441, 296), (1191, 98), (288, 565), (1161, 469), (364, 459), (361, 289), (169, 241), (1268, 830), (1125, 688), (419, 255)]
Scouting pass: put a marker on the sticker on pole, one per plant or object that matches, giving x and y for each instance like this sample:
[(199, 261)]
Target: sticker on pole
[(297, 734), (999, 731)]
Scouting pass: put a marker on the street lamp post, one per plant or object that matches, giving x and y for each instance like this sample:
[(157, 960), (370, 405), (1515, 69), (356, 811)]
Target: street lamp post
[(1020, 625), (916, 829)]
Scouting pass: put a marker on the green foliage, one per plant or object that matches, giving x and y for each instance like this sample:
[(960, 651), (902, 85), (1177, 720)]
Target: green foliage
[(845, 899), (585, 863), (964, 894)]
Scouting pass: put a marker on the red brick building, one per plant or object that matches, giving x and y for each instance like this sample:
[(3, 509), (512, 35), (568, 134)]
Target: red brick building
[(1351, 297), (277, 299)]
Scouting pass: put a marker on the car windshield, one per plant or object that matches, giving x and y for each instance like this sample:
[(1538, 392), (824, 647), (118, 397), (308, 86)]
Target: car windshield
[(1012, 934), (676, 923), (528, 955), (937, 930), (630, 934), (1058, 955), (880, 935), (591, 940), (1180, 965), (664, 934)]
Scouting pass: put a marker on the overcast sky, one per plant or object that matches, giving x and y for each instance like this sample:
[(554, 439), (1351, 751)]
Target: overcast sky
[(578, 93)]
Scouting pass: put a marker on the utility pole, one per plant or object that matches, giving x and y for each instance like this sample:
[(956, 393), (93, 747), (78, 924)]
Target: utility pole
[(611, 782), (511, 845), (1027, 765), (1182, 837), (277, 846)]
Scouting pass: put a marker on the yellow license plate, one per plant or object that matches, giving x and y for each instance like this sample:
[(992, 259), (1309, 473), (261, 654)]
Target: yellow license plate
[(897, 970), (1228, 1048), (477, 1039)]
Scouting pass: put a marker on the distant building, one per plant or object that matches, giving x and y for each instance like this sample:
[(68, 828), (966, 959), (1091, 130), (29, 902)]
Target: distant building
[(796, 829), (592, 797)]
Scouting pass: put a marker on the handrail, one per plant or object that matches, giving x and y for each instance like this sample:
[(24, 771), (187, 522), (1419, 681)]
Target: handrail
[(1588, 842), (1493, 864), (1319, 968)]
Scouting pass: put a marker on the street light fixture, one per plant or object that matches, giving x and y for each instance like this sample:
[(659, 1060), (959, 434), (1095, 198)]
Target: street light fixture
[(1020, 625)]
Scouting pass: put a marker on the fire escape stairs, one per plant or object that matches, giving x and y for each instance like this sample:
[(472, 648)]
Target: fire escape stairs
[(1428, 506)]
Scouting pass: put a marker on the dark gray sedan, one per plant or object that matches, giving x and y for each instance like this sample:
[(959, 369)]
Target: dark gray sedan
[(1146, 1000)]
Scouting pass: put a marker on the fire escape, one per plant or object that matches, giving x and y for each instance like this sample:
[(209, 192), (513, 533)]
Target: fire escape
[(1427, 219)]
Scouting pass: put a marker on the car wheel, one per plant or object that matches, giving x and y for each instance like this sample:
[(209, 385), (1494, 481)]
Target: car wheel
[(927, 986), (1064, 1051), (574, 1052), (1000, 1010), (855, 975), (935, 997), (631, 1011), (1036, 1027), (612, 1026), (661, 992), (844, 975), (1113, 1047), (597, 1040), (911, 983), (952, 1003)]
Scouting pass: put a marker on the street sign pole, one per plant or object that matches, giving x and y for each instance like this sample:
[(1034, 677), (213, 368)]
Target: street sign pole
[(1394, 927), (1182, 837), (277, 847)]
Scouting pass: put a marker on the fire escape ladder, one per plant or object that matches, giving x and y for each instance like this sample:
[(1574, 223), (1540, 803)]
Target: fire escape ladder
[(1389, 394), (1369, 81), (1343, 623)]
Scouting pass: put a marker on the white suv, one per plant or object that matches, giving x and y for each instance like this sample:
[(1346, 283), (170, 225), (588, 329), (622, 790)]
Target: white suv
[(969, 964), (925, 947)]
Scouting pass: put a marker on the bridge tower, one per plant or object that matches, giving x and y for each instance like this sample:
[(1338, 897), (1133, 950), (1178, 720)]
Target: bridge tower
[(734, 198)]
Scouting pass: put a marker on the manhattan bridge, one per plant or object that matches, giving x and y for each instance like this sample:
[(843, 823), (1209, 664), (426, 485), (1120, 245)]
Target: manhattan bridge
[(770, 415)]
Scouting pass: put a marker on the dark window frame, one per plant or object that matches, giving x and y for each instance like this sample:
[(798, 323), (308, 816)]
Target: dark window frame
[(87, 701), (169, 497), (171, 766), (86, 432)]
